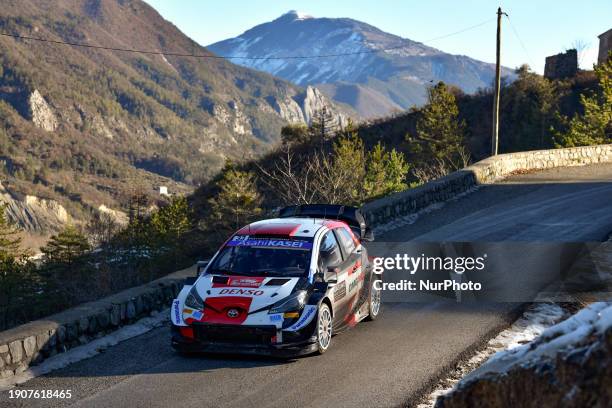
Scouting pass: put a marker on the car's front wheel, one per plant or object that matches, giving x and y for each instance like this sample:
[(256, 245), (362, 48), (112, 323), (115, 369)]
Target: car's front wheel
[(324, 328)]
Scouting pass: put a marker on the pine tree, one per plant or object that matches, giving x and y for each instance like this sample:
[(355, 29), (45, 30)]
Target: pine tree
[(594, 126), (9, 241), (295, 134), (138, 232), (348, 168), (385, 172), (138, 207), (527, 112), (237, 203), (173, 220), (16, 273), (66, 248), (376, 172), (323, 125), (439, 132)]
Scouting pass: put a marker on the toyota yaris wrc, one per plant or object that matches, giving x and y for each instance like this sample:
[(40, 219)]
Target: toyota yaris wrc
[(281, 286)]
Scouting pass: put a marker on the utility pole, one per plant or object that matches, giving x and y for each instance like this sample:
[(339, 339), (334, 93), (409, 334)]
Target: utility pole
[(495, 133)]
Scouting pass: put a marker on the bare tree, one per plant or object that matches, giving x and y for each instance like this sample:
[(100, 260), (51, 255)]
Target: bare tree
[(464, 158), (432, 170), (289, 178), (331, 183), (101, 229), (441, 167), (581, 46), (314, 178)]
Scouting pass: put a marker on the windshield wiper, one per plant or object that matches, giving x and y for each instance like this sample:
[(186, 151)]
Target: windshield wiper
[(222, 271), (289, 271)]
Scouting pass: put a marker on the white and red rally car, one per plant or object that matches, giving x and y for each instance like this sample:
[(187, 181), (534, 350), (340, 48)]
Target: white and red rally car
[(281, 286)]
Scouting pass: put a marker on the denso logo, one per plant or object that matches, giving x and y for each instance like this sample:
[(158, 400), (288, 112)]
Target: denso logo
[(237, 291)]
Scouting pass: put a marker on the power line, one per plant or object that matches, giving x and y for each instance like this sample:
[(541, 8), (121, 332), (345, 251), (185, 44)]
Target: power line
[(460, 31), (518, 37), (213, 56)]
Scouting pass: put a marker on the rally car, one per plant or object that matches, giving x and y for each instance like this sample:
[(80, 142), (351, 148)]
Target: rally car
[(281, 286)]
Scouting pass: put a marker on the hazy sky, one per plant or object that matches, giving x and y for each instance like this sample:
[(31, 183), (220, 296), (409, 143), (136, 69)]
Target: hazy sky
[(546, 27)]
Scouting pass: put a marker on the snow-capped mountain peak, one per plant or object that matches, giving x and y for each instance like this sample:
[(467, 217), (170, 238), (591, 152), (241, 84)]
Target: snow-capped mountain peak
[(297, 15), (373, 71)]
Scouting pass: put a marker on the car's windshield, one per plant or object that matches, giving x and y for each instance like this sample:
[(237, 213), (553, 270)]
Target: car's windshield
[(250, 256)]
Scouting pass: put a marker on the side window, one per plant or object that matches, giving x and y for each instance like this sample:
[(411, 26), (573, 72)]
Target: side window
[(345, 240), (329, 252)]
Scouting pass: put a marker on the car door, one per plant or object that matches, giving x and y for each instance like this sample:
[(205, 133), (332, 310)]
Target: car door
[(354, 272), (330, 256)]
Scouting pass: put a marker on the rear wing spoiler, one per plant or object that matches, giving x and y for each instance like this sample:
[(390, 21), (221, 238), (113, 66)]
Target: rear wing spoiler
[(351, 215)]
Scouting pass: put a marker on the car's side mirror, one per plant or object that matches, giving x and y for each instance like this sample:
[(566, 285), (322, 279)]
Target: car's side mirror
[(368, 235), (200, 266), (331, 274)]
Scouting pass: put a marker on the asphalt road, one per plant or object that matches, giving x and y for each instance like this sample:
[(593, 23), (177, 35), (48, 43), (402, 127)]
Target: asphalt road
[(389, 362)]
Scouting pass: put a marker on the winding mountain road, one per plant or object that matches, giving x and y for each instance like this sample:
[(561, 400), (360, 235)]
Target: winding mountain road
[(389, 362)]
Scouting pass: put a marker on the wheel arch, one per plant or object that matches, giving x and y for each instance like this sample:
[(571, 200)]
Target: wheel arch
[(328, 302)]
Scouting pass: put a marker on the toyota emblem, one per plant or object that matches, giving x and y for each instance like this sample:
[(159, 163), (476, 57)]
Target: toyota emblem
[(233, 313)]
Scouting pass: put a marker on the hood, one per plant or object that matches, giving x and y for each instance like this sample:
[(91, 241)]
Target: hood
[(230, 299)]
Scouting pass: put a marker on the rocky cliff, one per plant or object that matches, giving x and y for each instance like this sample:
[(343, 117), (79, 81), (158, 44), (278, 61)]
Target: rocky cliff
[(40, 113), (34, 214), (300, 107)]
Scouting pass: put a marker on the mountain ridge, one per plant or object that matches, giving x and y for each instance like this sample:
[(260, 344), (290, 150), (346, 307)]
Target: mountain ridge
[(390, 71)]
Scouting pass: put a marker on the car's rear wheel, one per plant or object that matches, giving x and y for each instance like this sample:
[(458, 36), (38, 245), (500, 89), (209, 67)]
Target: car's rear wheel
[(374, 300), (324, 328)]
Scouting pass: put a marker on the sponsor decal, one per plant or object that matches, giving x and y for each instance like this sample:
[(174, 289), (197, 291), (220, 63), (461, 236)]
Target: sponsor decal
[(353, 285), (241, 240), (187, 311), (248, 282), (238, 291), (239, 281), (197, 315), (339, 291), (176, 311), (278, 317), (307, 316)]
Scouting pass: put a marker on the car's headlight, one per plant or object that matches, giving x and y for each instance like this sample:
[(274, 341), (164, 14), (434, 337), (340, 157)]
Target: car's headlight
[(193, 299), (293, 303)]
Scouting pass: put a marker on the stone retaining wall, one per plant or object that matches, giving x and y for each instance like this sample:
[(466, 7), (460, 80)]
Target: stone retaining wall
[(384, 210), (29, 344)]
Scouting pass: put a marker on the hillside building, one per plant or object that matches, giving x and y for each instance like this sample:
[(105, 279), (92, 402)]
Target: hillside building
[(564, 65), (605, 46)]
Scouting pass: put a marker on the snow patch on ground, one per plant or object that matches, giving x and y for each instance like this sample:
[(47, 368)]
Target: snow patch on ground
[(536, 321), (412, 218), (592, 320), (88, 350)]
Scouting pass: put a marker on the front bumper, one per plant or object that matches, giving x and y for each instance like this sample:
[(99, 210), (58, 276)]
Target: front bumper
[(254, 340)]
